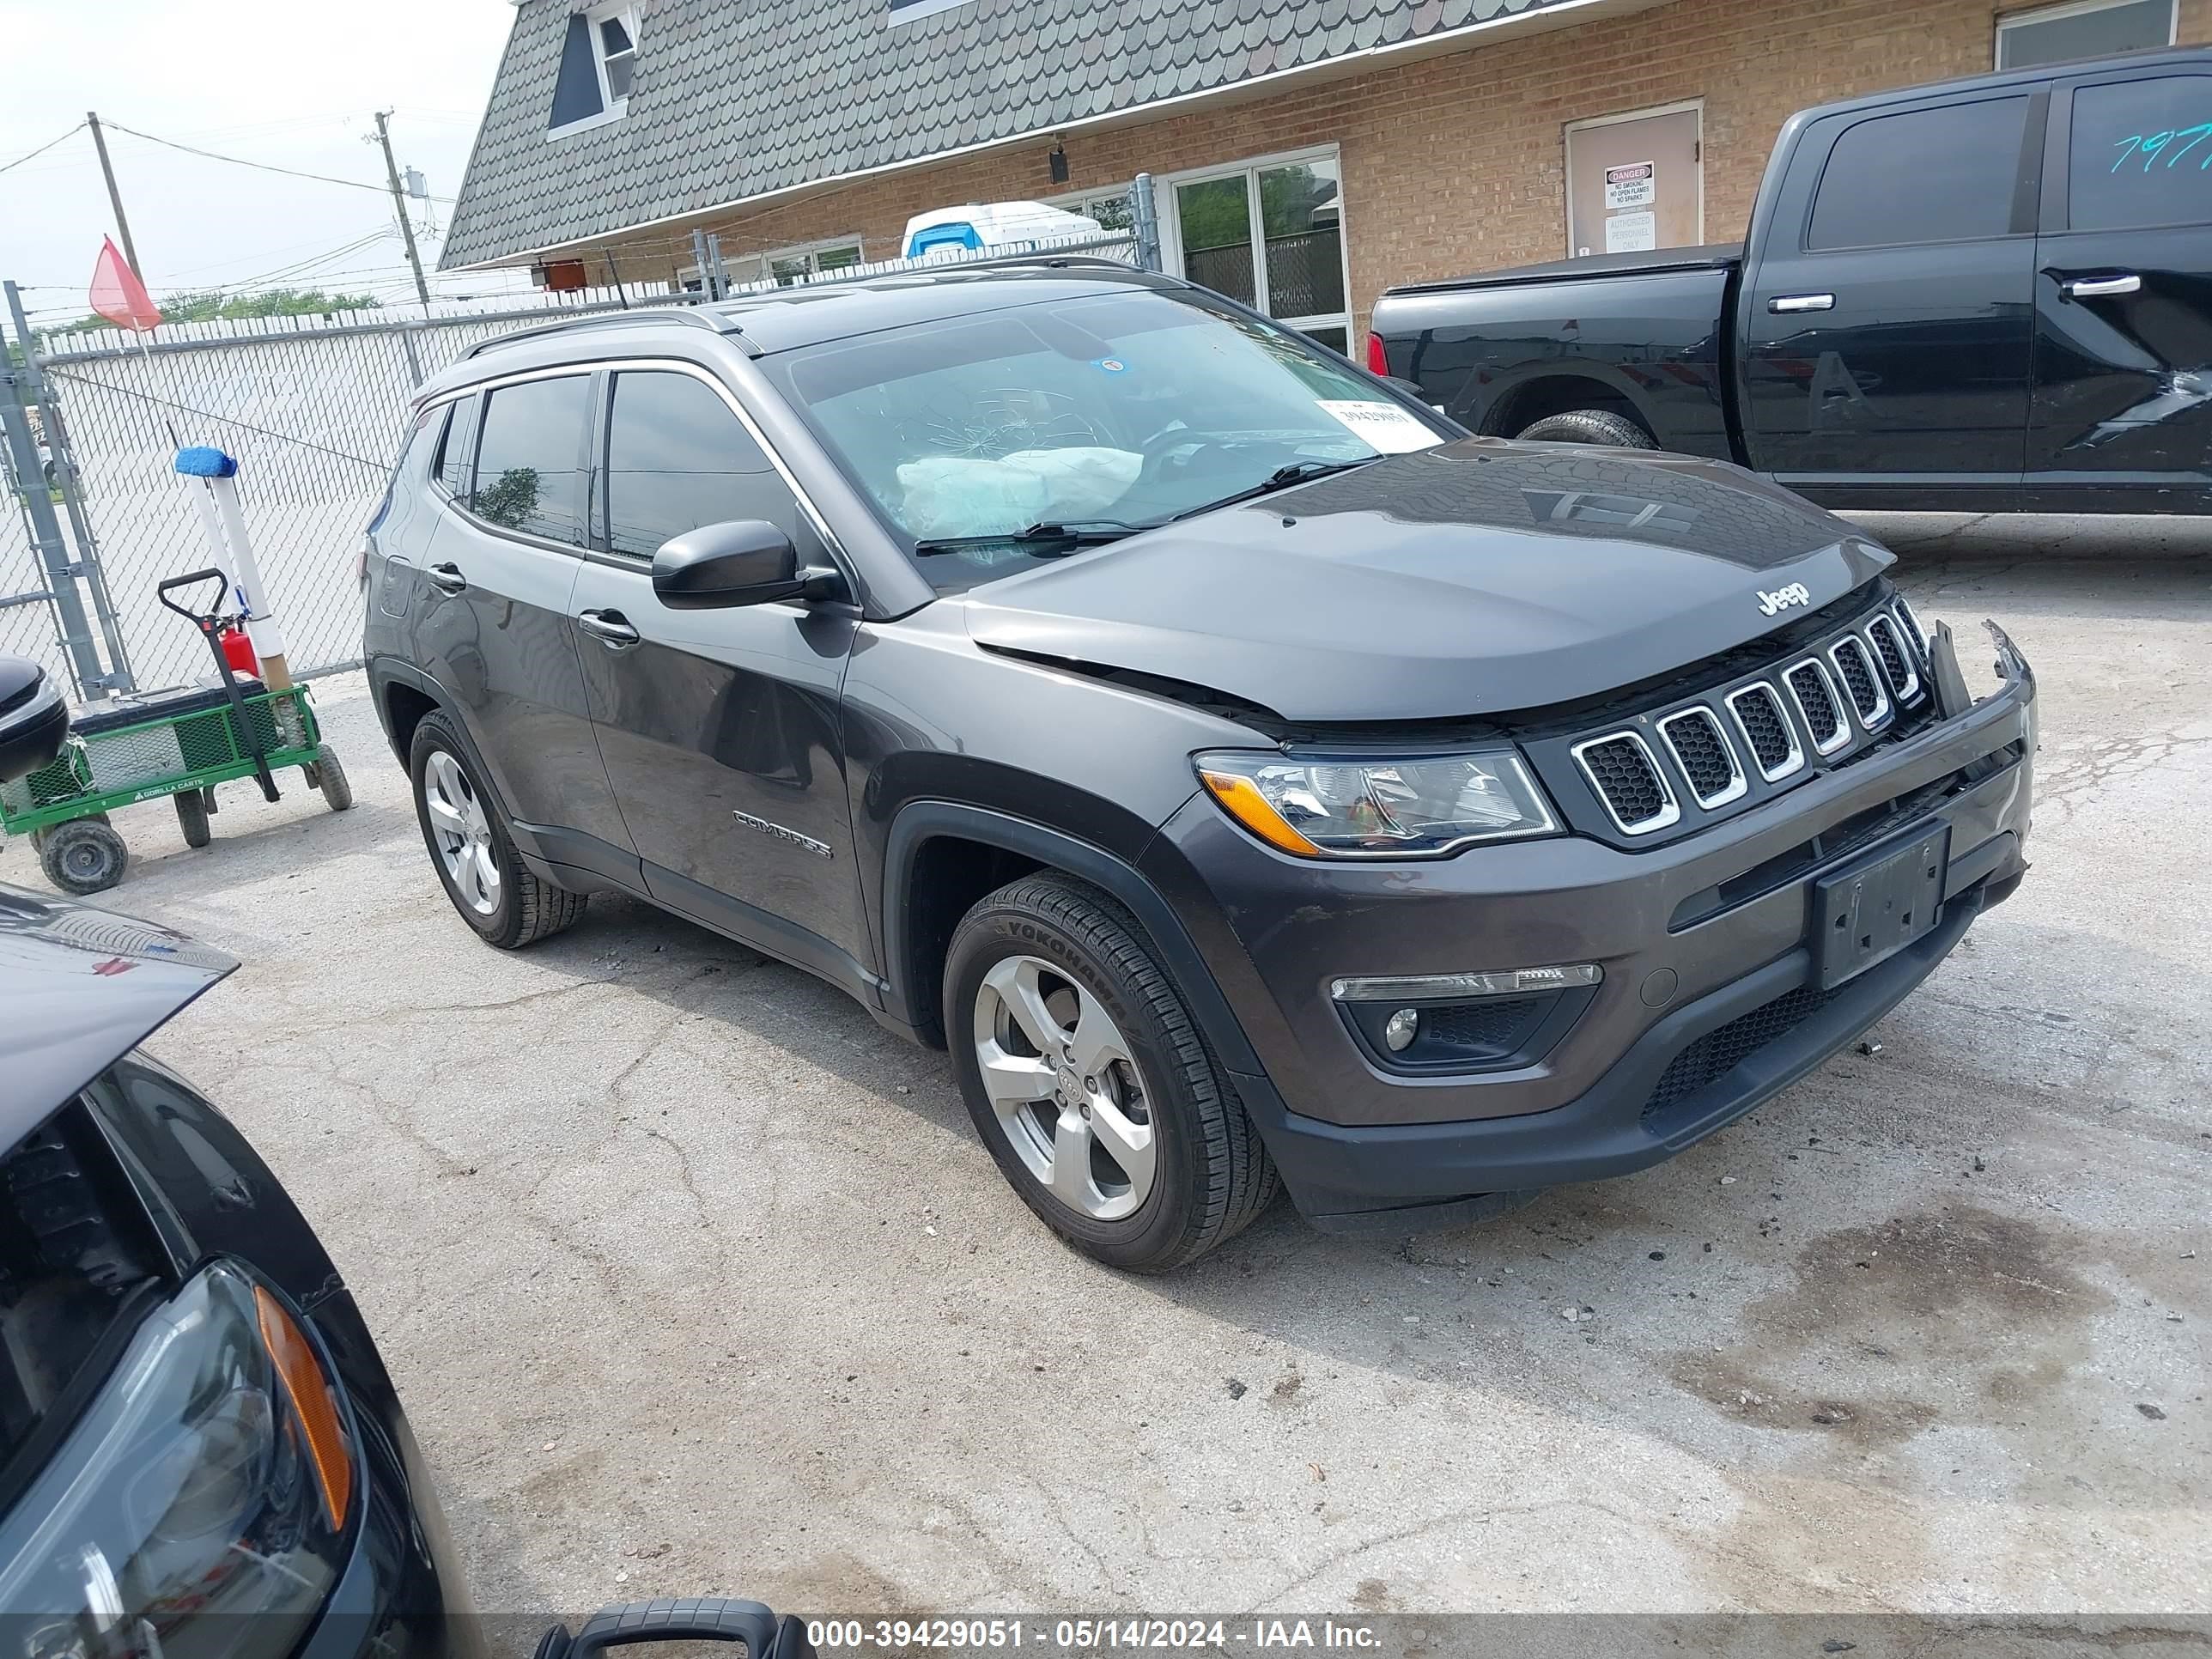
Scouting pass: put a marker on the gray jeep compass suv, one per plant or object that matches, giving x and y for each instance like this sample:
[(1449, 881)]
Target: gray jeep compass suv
[(1248, 775)]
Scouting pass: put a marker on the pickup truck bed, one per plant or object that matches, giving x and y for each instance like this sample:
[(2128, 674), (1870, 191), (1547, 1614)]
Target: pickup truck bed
[(1639, 334)]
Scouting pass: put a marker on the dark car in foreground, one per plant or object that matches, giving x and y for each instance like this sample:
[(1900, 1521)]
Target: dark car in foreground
[(1985, 296), (201, 1453), (1248, 776)]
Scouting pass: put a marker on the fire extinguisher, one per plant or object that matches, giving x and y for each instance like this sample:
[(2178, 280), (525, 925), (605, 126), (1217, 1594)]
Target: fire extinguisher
[(238, 651)]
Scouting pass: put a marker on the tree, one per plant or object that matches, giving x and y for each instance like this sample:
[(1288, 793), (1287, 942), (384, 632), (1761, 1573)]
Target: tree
[(207, 305)]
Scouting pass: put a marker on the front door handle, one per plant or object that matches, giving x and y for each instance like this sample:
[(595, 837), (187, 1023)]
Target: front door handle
[(2099, 288), (610, 627), (447, 578), (1784, 304)]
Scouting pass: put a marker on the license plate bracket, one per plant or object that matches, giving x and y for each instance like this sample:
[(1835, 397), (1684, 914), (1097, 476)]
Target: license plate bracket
[(1865, 915)]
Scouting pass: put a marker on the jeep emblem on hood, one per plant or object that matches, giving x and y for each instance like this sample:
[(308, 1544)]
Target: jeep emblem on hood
[(1783, 597)]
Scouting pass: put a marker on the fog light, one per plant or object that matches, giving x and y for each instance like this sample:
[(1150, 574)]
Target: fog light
[(1403, 1027)]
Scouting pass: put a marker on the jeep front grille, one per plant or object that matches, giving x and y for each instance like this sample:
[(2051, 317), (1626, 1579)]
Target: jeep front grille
[(1814, 694), (1910, 618), (1854, 663), (1621, 769), (1708, 760), (1897, 658), (1766, 731)]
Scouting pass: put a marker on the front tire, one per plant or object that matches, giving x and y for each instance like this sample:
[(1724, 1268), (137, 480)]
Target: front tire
[(1089, 1082), (471, 849), (1601, 427), (84, 856)]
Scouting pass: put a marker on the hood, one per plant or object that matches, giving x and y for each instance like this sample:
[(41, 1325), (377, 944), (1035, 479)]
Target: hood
[(1474, 579), (82, 988)]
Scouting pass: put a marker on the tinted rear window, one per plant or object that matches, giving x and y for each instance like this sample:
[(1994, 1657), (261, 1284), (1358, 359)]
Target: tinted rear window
[(528, 477), (2141, 153), (1928, 175), (457, 448)]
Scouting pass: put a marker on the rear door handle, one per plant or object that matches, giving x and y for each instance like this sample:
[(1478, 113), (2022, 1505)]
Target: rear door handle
[(447, 578), (610, 627), (1784, 304), (2099, 288)]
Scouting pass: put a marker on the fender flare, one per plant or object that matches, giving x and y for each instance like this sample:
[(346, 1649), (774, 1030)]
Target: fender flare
[(1513, 381), (921, 821), (385, 673)]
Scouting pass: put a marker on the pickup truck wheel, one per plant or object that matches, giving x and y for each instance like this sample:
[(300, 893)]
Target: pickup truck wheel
[(1590, 426), (1090, 1085), (471, 849)]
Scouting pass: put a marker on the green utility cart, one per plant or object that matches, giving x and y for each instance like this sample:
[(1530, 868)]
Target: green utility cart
[(182, 746)]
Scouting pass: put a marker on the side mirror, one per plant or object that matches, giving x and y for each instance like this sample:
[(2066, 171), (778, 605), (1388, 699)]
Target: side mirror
[(744, 562), (33, 719)]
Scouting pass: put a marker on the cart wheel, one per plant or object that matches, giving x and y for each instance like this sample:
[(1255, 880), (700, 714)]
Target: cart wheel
[(330, 779), (191, 817), (82, 856)]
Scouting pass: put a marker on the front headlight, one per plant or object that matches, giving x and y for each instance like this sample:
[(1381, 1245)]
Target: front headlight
[(1421, 807), (198, 1508)]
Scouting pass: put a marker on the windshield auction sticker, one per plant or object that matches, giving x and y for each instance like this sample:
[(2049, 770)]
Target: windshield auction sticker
[(1388, 427)]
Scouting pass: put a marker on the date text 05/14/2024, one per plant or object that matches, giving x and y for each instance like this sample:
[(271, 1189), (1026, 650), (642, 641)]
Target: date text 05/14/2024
[(897, 1635)]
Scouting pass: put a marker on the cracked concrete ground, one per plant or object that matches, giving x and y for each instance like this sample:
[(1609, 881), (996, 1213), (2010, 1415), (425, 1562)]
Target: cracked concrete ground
[(694, 1279)]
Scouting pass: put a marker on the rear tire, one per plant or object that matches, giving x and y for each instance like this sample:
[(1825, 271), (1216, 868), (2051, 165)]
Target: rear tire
[(1051, 950), (330, 779), (1601, 427), (471, 849), (84, 856), (191, 817)]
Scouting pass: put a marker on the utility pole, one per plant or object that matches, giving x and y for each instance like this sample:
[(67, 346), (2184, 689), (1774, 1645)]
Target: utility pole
[(115, 196), (398, 203)]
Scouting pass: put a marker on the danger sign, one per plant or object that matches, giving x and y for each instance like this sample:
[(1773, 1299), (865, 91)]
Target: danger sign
[(1631, 184)]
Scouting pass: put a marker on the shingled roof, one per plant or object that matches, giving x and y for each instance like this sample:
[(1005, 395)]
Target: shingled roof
[(733, 99)]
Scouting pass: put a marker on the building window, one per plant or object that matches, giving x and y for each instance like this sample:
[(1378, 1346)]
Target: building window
[(787, 265), (2087, 29), (1269, 234), (598, 57), (905, 11)]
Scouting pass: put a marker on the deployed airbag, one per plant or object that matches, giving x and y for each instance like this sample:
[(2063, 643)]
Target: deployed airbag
[(949, 496)]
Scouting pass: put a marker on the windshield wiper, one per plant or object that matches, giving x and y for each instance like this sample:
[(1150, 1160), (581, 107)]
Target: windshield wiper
[(1071, 535), (1281, 479)]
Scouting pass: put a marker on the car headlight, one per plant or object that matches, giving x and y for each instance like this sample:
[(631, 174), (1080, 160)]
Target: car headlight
[(198, 1508), (1419, 806)]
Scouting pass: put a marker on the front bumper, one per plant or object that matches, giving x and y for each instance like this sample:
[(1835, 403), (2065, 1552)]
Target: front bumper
[(1358, 1145)]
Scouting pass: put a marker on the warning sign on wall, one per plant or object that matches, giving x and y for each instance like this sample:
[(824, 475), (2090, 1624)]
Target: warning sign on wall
[(1631, 184), (1631, 233)]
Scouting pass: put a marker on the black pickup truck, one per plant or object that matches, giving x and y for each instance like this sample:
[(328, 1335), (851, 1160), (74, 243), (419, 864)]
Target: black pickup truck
[(1992, 295)]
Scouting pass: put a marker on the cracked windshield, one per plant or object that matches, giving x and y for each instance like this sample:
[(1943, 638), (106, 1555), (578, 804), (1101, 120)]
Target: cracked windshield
[(995, 442)]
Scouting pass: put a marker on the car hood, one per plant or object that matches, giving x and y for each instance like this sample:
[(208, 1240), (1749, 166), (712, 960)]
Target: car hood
[(82, 988), (1476, 578)]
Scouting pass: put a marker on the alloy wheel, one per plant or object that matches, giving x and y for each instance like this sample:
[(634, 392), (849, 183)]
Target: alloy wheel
[(462, 830), (1065, 1088)]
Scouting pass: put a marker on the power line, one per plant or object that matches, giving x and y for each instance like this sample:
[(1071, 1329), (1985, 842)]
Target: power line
[(43, 148), (263, 166)]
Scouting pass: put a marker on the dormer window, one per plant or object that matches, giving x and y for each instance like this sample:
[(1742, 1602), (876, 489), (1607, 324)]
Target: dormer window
[(597, 60)]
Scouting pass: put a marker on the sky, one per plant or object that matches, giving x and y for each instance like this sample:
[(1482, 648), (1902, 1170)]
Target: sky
[(292, 83)]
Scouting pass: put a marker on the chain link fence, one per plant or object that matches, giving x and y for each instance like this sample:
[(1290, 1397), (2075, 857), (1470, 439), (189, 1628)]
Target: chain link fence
[(312, 408)]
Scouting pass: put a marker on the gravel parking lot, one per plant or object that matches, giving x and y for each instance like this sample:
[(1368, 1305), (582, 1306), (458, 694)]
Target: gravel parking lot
[(694, 1279)]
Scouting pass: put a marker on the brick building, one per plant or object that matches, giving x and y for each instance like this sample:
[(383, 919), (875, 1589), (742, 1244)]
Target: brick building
[(1306, 152)]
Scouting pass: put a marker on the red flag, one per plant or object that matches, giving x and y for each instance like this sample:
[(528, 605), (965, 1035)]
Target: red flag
[(117, 292)]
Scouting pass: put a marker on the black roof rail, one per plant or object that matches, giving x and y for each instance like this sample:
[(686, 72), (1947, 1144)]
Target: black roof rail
[(679, 311)]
